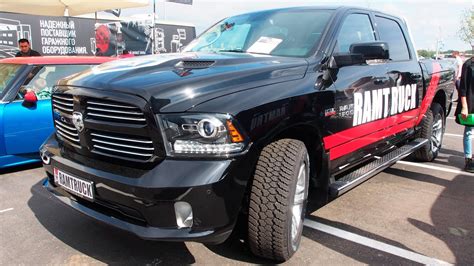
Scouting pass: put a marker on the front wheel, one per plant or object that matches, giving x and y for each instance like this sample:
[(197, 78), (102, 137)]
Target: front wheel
[(278, 200), (432, 128)]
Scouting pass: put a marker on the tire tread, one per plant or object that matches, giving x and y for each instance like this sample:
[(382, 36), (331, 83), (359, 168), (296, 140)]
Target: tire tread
[(425, 154), (267, 225)]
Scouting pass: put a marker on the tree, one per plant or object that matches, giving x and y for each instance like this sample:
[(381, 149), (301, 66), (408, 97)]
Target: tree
[(466, 32), (426, 53)]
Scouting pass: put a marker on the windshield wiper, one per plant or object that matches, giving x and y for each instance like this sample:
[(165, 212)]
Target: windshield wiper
[(238, 51), (232, 51)]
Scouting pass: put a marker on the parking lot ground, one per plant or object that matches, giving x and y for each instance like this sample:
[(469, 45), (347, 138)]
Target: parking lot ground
[(412, 213)]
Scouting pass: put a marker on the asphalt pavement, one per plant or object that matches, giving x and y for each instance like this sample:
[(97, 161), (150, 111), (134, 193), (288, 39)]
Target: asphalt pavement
[(412, 213)]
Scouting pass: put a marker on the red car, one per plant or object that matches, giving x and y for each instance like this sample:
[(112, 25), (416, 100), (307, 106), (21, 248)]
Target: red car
[(25, 102)]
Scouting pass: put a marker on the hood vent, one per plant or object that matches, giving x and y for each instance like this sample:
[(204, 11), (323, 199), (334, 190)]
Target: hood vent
[(194, 64)]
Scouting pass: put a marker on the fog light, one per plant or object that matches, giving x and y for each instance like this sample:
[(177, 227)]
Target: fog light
[(184, 214), (45, 157)]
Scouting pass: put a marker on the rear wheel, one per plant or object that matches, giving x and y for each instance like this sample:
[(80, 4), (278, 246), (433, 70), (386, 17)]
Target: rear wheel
[(432, 128), (278, 200)]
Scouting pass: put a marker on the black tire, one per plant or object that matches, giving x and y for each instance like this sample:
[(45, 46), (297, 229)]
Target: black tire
[(272, 197), (429, 130)]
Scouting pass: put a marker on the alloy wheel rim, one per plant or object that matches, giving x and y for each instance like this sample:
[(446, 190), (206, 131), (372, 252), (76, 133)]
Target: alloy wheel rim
[(298, 204), (437, 133)]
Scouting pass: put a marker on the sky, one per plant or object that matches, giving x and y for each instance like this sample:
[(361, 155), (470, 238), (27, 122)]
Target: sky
[(429, 20)]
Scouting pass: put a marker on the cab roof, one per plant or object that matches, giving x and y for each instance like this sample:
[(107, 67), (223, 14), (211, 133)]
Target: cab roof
[(57, 60)]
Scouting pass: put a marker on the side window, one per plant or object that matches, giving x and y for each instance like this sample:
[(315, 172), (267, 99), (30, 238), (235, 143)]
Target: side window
[(391, 33), (42, 79), (355, 28)]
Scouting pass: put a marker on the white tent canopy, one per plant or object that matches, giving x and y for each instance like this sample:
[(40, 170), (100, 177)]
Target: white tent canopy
[(66, 7)]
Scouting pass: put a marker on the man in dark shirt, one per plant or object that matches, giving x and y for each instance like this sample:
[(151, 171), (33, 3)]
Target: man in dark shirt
[(25, 49)]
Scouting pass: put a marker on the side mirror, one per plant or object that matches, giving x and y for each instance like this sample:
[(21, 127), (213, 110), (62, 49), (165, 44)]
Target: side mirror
[(371, 50), (360, 53), (345, 59), (30, 98)]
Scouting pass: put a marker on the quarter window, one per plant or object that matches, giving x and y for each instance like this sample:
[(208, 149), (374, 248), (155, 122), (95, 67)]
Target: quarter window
[(355, 29), (391, 33)]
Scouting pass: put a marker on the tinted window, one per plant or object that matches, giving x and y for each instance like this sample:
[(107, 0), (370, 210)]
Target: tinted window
[(42, 81), (356, 28), (391, 33)]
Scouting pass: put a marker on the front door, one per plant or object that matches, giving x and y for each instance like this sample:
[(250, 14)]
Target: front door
[(360, 92), (26, 128)]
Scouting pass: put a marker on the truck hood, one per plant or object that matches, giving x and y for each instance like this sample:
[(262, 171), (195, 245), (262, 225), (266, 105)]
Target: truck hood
[(178, 82)]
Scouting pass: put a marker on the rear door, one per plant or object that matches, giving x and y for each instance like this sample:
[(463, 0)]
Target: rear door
[(27, 127), (405, 77), (358, 91)]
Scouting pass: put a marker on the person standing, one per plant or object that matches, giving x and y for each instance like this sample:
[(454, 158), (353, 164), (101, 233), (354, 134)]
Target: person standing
[(466, 106), (25, 49), (458, 70)]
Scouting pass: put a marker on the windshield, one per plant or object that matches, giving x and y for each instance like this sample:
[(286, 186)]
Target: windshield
[(7, 74), (42, 80), (290, 33)]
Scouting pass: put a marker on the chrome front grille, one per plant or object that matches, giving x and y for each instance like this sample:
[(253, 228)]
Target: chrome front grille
[(63, 103), (68, 132), (112, 111), (121, 145), (117, 129)]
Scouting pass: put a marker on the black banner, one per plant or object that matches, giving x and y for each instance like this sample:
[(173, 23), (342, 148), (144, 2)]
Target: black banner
[(81, 36), (137, 37), (48, 35)]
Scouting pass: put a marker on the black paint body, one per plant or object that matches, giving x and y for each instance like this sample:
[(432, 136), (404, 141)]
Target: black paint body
[(269, 97)]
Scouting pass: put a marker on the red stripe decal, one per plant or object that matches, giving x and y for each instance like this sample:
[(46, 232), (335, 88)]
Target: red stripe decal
[(430, 91), (356, 144), (366, 129), (352, 139)]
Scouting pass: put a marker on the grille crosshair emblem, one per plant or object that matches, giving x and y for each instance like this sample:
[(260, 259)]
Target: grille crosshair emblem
[(78, 121)]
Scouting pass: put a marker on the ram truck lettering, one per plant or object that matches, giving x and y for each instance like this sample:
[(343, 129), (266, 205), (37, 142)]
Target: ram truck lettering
[(373, 105)]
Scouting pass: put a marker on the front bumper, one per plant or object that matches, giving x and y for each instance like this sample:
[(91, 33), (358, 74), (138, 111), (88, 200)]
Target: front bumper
[(142, 201)]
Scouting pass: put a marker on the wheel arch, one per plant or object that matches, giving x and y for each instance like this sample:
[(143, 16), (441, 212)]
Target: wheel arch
[(441, 99), (313, 141)]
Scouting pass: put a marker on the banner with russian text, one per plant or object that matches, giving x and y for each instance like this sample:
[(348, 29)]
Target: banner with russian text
[(84, 36)]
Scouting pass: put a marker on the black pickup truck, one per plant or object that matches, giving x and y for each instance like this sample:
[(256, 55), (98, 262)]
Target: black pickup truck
[(255, 114)]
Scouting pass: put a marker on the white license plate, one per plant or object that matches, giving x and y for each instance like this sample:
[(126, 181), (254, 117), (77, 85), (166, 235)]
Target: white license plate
[(75, 185)]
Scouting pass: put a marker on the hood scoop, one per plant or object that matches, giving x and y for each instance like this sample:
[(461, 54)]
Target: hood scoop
[(194, 64)]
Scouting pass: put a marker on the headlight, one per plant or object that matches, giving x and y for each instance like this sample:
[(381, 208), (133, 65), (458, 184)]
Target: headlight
[(201, 134)]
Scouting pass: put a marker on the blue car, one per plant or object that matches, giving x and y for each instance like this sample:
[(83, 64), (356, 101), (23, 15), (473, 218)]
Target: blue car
[(25, 103)]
